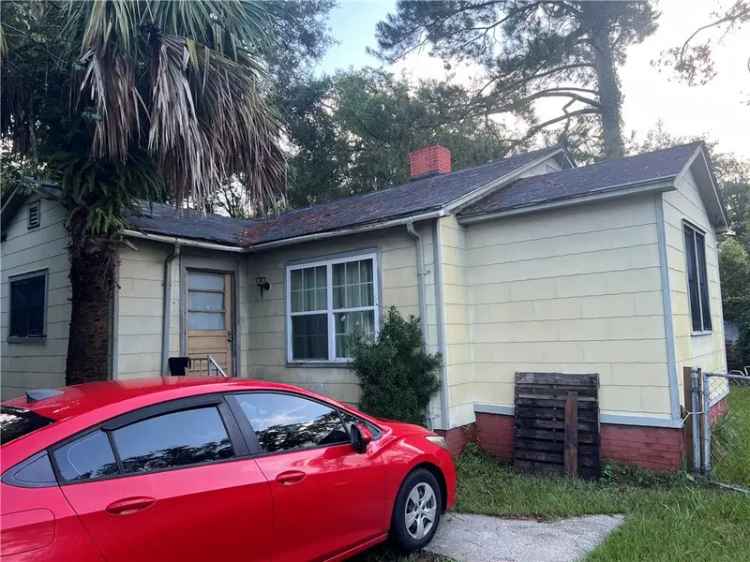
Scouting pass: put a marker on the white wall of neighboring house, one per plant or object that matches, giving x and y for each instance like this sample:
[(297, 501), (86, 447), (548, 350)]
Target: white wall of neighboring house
[(706, 351), (27, 366)]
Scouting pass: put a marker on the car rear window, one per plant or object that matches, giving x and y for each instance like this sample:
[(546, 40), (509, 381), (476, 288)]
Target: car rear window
[(17, 422)]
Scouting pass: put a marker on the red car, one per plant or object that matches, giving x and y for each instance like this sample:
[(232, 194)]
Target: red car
[(194, 469)]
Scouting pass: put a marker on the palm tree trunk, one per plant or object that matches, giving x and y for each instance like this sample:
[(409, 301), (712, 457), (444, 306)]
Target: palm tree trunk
[(610, 98), (92, 279)]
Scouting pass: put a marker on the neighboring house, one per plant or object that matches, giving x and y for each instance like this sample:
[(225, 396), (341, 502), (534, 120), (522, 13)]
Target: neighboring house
[(524, 264)]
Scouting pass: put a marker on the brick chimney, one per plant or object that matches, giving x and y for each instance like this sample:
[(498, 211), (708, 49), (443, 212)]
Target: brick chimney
[(429, 161)]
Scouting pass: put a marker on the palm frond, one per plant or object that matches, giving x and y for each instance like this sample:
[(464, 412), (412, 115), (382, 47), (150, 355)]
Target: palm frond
[(186, 73)]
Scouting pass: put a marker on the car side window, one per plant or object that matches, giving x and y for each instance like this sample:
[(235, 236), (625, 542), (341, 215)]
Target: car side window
[(283, 422), (90, 456), (171, 440)]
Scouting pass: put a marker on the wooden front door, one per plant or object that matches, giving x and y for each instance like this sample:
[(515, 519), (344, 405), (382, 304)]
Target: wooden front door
[(210, 321)]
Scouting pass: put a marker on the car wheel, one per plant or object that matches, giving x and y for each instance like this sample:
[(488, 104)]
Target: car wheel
[(417, 511)]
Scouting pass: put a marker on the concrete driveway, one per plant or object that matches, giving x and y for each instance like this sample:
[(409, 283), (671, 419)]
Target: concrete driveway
[(479, 538)]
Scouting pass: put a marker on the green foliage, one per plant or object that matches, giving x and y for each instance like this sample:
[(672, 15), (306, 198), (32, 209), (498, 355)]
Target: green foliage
[(397, 376), (173, 87), (353, 132), (731, 439), (565, 52), (734, 269)]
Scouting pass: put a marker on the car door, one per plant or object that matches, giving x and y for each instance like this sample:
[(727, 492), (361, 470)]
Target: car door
[(170, 483), (327, 497)]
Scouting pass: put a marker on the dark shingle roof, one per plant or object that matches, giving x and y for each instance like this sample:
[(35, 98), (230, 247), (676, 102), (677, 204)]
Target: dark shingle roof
[(415, 197), (606, 176), (157, 218)]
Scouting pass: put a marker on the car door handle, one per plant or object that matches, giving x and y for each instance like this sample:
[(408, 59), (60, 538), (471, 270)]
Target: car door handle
[(130, 505), (290, 477)]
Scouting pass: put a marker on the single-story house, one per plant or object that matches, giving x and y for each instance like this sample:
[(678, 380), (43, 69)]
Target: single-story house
[(525, 264)]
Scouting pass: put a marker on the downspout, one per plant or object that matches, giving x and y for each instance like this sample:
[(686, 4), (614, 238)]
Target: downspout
[(420, 281), (437, 261), (167, 307)]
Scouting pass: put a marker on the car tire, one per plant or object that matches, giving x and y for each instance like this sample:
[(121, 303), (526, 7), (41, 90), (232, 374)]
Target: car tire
[(416, 514)]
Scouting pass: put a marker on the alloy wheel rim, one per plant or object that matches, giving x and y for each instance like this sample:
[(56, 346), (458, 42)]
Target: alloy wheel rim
[(420, 511)]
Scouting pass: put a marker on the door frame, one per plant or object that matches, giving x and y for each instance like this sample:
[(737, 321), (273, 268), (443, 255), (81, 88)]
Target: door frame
[(217, 264)]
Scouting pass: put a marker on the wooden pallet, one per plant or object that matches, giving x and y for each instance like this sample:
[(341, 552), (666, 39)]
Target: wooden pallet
[(556, 428)]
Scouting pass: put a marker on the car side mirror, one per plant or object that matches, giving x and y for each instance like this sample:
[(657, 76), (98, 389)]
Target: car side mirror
[(361, 437)]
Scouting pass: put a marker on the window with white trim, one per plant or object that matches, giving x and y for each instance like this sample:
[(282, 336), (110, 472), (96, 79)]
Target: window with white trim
[(698, 296), (328, 304)]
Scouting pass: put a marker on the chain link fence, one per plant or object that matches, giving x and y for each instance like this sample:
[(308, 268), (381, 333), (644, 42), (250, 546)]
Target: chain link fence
[(715, 433)]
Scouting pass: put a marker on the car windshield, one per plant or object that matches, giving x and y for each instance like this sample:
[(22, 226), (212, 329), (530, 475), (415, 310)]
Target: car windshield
[(17, 422)]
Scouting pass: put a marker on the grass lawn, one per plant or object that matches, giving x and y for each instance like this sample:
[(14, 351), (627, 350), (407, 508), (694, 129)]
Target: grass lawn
[(668, 518)]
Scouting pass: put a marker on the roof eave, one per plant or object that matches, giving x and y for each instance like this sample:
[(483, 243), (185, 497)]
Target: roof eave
[(455, 206), (718, 216), (659, 186)]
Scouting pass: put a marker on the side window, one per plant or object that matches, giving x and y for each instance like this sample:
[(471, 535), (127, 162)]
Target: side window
[(85, 458), (171, 440), (35, 472), (283, 422)]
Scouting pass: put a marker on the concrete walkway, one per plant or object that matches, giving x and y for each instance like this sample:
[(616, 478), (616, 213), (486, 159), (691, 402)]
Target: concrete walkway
[(479, 538)]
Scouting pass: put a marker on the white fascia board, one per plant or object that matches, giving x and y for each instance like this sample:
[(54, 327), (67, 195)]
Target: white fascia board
[(700, 152), (346, 231), (181, 241), (658, 186)]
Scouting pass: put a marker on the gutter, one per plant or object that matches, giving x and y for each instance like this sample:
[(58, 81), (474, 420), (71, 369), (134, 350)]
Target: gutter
[(167, 307), (611, 193), (181, 241), (346, 231), (420, 280), (437, 253)]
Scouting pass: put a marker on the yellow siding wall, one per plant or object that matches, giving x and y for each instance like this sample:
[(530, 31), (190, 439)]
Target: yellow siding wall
[(266, 349), (704, 351), (140, 297), (575, 290), (28, 366), (458, 350)]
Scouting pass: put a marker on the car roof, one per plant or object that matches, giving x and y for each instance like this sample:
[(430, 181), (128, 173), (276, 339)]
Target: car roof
[(75, 400)]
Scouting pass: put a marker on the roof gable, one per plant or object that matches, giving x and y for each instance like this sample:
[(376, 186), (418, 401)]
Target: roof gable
[(606, 177)]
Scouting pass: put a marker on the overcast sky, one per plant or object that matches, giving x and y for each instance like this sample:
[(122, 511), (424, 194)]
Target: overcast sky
[(715, 111)]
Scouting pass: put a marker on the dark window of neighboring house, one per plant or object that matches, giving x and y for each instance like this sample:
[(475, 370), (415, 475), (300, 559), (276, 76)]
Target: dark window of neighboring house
[(695, 252), (172, 440), (27, 305), (284, 422), (88, 457), (17, 422)]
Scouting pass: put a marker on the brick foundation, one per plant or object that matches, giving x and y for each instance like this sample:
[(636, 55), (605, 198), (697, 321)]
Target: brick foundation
[(459, 437), (654, 448), (495, 435)]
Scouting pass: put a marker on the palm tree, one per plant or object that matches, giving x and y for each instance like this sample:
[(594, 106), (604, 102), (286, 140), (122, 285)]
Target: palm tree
[(123, 100)]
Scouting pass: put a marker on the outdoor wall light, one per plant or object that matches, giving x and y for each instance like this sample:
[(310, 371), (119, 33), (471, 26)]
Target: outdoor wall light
[(263, 285)]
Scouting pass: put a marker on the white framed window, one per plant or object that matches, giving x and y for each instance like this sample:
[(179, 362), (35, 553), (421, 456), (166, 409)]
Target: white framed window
[(28, 306), (697, 277), (328, 302)]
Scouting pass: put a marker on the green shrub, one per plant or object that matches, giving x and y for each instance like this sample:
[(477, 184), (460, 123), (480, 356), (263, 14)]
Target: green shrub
[(397, 376)]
